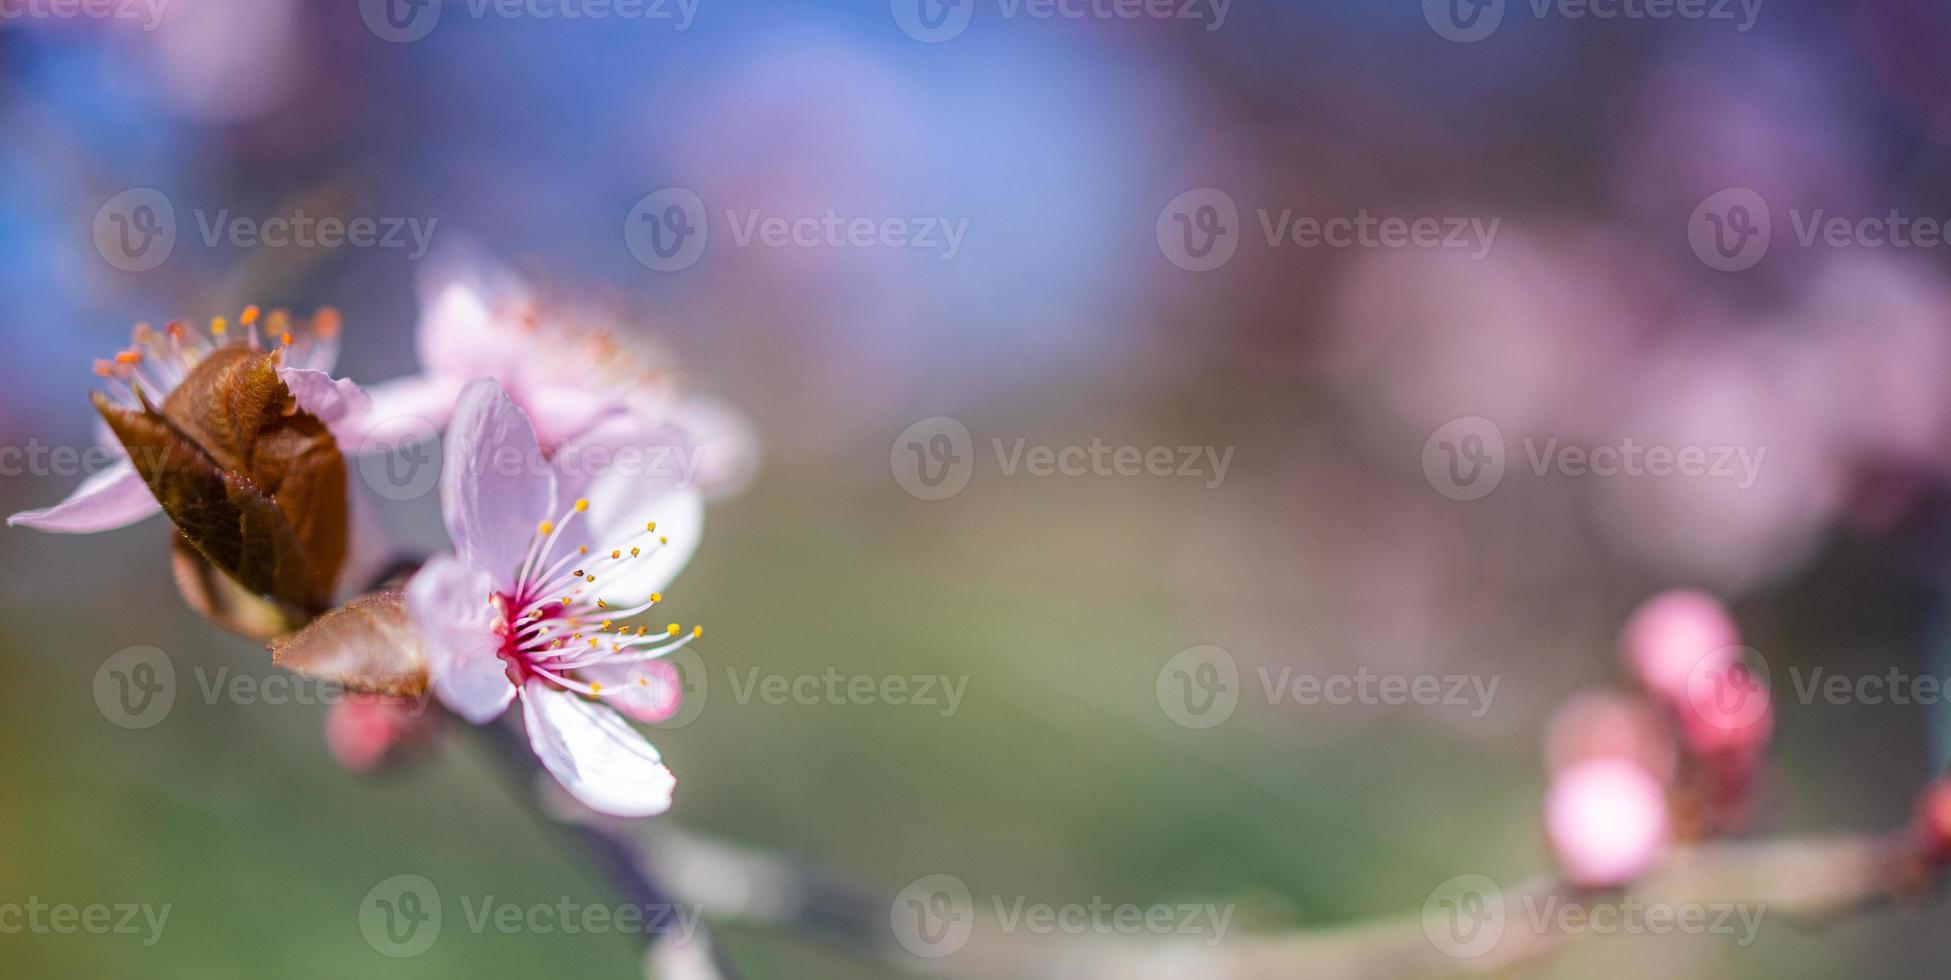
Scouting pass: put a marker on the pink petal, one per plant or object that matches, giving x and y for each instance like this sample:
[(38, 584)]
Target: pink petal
[(563, 413), (647, 690), (494, 487), (1607, 821), (333, 400), (462, 336), (115, 497), (401, 412), (632, 483), (448, 600), (595, 754)]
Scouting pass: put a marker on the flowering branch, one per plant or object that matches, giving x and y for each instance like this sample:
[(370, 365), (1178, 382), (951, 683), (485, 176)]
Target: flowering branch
[(1807, 880)]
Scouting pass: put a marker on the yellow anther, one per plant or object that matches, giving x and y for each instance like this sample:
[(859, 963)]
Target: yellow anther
[(652, 526), (600, 604), (582, 504), (634, 552), (663, 540), (657, 597), (219, 325), (582, 549), (674, 629), (616, 554), (606, 624), (697, 631), (249, 316), (595, 687), (546, 527), (593, 642)]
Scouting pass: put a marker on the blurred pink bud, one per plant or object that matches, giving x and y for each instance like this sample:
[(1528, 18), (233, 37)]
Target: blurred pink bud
[(363, 730), (1730, 708), (1669, 636), (1606, 821), (1608, 725), (1934, 818)]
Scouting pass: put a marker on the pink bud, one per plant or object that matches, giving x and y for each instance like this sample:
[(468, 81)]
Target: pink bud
[(1607, 822), (1670, 634), (1729, 709), (361, 730), (1608, 725), (1934, 818)]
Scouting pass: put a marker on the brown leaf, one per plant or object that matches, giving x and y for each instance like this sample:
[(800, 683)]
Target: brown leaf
[(235, 408), (229, 521), (369, 644), (220, 599)]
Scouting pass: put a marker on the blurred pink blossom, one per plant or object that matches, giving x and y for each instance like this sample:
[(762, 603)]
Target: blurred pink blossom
[(1607, 822)]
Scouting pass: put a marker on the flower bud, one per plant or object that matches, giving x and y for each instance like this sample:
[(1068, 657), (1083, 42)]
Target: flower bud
[(1670, 634), (364, 731), (1606, 821)]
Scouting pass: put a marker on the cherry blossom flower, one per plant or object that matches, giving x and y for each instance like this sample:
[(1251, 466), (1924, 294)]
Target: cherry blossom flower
[(1607, 821), (536, 602), (155, 362), (570, 369)]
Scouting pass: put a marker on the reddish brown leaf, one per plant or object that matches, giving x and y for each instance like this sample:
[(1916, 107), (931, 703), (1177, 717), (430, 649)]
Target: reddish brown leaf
[(369, 644)]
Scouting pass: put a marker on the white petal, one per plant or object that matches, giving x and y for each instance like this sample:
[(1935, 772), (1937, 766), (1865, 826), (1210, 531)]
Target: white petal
[(112, 498), (463, 333), (636, 479), (333, 400), (494, 487), (448, 599), (595, 754)]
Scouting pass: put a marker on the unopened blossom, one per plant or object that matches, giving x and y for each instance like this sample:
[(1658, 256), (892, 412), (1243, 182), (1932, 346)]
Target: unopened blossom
[(363, 731), (1606, 821), (1609, 725), (1675, 635), (541, 599), (156, 361), (569, 367)]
